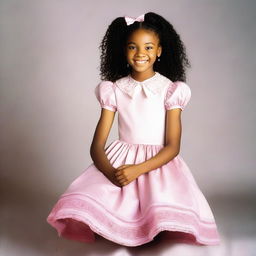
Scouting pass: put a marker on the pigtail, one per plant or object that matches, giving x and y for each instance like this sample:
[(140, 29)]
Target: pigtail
[(174, 59), (113, 62)]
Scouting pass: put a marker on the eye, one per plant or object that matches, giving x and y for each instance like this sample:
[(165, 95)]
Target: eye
[(149, 47), (130, 47)]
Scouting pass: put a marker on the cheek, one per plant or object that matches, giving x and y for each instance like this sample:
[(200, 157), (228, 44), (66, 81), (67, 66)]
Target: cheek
[(152, 55), (129, 54)]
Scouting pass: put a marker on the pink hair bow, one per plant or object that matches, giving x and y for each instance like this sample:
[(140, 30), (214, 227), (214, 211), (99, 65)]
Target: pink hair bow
[(130, 20)]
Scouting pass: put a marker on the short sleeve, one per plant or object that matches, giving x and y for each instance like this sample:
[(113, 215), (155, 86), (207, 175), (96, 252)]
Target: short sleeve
[(105, 94), (177, 96)]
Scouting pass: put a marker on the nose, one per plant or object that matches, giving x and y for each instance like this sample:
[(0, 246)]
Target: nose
[(140, 52)]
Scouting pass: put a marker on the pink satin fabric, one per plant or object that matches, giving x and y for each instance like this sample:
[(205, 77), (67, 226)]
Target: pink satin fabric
[(164, 199)]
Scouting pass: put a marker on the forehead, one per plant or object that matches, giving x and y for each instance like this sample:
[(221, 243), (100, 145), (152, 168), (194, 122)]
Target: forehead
[(143, 36)]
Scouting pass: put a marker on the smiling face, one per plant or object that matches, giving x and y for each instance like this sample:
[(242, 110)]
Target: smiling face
[(141, 50)]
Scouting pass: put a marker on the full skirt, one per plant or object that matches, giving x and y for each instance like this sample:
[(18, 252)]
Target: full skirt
[(165, 199)]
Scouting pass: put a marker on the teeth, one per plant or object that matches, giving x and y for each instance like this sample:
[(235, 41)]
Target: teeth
[(141, 61)]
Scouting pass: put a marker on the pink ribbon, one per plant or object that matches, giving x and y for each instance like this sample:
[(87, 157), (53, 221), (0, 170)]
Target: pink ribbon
[(130, 20)]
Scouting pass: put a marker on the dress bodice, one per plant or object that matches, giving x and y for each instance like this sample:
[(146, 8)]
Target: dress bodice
[(142, 106)]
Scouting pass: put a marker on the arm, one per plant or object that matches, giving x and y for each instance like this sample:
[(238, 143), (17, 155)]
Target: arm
[(172, 143), (101, 133)]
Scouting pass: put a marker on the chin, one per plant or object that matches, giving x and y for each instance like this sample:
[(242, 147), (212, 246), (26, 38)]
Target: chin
[(141, 69)]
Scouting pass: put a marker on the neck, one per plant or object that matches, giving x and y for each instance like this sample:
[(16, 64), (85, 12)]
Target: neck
[(141, 76)]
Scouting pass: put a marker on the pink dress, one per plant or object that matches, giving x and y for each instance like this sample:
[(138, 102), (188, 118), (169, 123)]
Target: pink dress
[(165, 199)]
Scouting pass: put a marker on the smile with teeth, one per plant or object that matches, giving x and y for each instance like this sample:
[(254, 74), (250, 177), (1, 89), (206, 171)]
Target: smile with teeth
[(140, 61)]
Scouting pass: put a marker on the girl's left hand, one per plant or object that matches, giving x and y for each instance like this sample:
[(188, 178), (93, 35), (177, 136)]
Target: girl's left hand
[(127, 173)]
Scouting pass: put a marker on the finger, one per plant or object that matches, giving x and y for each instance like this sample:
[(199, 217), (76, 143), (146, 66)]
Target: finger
[(118, 171), (122, 180), (125, 183), (118, 184), (115, 182), (120, 174)]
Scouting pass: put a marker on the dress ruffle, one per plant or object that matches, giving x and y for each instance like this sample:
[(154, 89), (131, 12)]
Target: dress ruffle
[(164, 199)]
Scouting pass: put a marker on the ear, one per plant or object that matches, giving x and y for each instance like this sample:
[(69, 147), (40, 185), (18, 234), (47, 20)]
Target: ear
[(159, 51)]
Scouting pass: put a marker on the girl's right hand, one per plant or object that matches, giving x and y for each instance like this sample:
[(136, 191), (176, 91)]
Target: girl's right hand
[(111, 176)]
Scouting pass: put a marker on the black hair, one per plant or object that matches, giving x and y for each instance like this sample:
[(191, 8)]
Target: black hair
[(173, 59)]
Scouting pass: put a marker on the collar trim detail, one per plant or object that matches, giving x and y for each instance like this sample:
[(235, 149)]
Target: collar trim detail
[(151, 86)]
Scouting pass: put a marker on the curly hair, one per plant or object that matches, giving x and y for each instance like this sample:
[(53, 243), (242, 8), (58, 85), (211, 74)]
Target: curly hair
[(113, 64)]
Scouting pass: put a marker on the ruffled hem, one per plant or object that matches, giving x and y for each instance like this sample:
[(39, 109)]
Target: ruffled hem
[(93, 217)]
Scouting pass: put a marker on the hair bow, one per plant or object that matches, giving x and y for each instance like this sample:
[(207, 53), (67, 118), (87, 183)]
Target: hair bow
[(130, 20)]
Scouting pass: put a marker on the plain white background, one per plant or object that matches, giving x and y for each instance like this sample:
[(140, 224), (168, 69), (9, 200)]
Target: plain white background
[(49, 67)]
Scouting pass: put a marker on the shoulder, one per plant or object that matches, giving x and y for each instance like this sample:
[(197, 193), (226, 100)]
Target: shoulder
[(122, 83), (105, 85), (178, 86), (105, 94), (178, 95)]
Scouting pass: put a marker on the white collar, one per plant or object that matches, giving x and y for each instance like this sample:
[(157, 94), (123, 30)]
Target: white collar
[(151, 86)]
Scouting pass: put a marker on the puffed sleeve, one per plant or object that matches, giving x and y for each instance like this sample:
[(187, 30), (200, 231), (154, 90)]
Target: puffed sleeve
[(177, 96), (105, 94)]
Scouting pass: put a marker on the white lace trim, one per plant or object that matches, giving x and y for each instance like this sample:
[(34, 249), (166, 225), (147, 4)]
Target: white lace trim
[(151, 86)]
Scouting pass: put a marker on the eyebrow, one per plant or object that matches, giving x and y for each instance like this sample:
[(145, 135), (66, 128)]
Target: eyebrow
[(145, 43)]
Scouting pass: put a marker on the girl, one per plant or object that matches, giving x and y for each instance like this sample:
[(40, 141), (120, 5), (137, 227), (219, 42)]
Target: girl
[(139, 185)]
